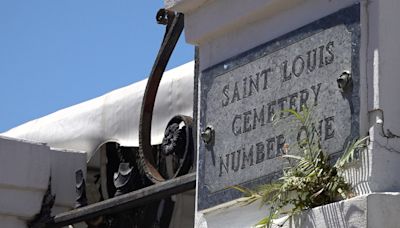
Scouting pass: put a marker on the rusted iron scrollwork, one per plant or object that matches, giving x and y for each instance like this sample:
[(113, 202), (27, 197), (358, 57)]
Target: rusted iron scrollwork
[(165, 17), (173, 31), (177, 146), (130, 171)]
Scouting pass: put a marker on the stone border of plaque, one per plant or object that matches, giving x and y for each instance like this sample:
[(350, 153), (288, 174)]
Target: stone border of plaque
[(348, 19)]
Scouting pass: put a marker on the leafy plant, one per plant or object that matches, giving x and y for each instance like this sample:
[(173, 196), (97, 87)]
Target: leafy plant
[(311, 179)]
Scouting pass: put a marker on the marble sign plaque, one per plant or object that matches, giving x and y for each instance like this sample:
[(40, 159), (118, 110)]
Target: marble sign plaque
[(240, 97)]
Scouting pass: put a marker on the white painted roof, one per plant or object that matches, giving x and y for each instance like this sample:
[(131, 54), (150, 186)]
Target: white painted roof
[(113, 116)]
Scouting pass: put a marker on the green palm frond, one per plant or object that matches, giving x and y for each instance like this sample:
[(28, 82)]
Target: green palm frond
[(310, 180), (350, 150), (293, 156)]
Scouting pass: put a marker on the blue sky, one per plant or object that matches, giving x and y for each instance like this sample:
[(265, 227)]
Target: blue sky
[(57, 53)]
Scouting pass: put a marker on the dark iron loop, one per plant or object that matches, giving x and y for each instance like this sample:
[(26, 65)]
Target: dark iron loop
[(148, 165), (164, 16), (183, 152)]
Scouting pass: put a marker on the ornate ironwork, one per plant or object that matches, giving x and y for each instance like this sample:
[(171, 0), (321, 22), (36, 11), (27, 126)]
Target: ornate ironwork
[(80, 190), (177, 146), (133, 202), (146, 115), (124, 202)]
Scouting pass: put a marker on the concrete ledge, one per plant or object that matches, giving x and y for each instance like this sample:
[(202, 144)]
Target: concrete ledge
[(23, 164), (198, 30), (367, 211), (25, 169), (184, 6)]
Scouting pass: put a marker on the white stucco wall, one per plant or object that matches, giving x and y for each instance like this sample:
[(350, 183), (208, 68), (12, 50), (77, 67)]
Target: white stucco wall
[(237, 27), (383, 52), (25, 169), (224, 28), (366, 211)]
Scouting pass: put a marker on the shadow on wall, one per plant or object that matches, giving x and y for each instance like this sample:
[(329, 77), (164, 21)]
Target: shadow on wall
[(340, 214), (358, 172), (335, 215)]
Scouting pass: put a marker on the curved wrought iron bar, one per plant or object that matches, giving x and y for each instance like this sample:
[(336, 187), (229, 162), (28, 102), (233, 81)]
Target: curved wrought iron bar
[(174, 31)]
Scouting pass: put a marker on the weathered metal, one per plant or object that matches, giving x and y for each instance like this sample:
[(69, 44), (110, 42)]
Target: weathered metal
[(164, 17), (80, 189), (208, 135), (344, 81), (178, 146), (126, 201), (123, 179), (134, 203), (146, 116), (127, 178)]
